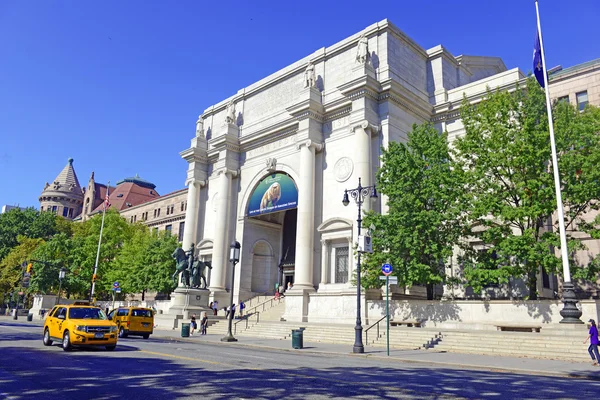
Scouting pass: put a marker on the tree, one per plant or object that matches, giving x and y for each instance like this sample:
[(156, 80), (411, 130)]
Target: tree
[(506, 156), (424, 221), (11, 271), (145, 262), (29, 223), (50, 257)]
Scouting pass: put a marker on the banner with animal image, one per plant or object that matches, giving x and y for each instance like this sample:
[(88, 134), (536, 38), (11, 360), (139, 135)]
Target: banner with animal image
[(276, 192)]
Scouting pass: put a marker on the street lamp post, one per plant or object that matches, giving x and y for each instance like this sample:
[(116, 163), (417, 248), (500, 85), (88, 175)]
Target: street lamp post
[(234, 257), (359, 194), (61, 275)]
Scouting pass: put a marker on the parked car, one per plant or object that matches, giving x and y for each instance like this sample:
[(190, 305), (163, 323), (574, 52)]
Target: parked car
[(133, 321), (79, 324)]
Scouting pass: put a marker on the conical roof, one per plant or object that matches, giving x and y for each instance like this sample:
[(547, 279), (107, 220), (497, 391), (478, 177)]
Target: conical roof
[(66, 181)]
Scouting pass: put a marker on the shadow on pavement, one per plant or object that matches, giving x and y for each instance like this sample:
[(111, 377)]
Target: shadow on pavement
[(42, 374)]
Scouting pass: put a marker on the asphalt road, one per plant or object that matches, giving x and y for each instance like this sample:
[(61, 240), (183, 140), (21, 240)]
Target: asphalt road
[(165, 369)]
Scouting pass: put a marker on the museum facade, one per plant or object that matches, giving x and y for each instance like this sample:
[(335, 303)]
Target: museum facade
[(268, 167)]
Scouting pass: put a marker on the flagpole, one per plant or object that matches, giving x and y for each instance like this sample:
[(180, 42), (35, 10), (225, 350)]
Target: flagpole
[(99, 243), (570, 312)]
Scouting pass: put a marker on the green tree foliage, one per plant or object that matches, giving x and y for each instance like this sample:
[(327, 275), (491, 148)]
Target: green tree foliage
[(506, 156), (29, 223), (145, 263), (10, 266), (423, 221), (50, 257)]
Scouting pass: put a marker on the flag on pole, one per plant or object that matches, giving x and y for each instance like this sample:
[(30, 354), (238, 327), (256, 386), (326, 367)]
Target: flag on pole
[(538, 63), (106, 204)]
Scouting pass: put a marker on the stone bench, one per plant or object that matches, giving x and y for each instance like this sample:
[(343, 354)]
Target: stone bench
[(416, 324), (518, 328)]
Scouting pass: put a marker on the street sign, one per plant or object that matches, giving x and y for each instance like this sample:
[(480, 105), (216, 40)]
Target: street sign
[(393, 280), (118, 290), (116, 285), (386, 269)]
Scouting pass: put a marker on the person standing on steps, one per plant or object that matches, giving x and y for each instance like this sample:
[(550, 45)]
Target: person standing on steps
[(193, 324), (203, 324), (593, 338), (215, 307)]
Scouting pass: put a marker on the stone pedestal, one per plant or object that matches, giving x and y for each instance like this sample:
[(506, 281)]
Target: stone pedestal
[(184, 303)]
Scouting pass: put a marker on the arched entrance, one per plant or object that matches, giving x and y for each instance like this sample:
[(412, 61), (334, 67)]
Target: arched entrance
[(270, 228)]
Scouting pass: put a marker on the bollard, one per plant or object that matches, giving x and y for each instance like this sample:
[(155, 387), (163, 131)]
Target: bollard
[(14, 314)]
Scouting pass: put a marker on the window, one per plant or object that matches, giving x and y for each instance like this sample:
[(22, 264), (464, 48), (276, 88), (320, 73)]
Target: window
[(41, 208), (564, 99), (341, 264), (169, 228), (172, 209), (54, 208), (154, 213), (135, 218), (181, 229), (65, 211), (70, 213), (185, 206), (582, 100), (168, 209), (182, 206), (131, 219), (158, 213)]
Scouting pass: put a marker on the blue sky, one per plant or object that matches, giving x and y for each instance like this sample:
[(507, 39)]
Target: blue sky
[(118, 85)]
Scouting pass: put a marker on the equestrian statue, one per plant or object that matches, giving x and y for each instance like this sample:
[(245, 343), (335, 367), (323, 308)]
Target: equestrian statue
[(191, 268)]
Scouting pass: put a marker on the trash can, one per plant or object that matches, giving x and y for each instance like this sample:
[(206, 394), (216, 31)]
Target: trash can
[(297, 338), (29, 317), (185, 329)]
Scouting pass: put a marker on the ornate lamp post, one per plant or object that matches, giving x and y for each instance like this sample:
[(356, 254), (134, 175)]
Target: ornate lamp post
[(61, 275), (358, 194), (234, 257)]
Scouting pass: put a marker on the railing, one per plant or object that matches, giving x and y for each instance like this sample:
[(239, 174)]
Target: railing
[(246, 318), (263, 305), (375, 324)]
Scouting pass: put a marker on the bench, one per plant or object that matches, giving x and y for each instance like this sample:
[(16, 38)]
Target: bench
[(519, 328), (416, 324)]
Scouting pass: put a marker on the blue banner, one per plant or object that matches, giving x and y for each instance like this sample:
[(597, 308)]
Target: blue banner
[(274, 193)]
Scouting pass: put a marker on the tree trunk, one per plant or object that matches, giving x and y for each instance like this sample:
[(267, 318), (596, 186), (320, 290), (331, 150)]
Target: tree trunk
[(429, 291), (532, 284), (143, 294)]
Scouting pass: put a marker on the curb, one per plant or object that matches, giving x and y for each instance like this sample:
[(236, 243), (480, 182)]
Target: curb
[(573, 375)]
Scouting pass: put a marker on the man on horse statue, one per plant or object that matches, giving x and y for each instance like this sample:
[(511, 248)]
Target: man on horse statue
[(191, 269)]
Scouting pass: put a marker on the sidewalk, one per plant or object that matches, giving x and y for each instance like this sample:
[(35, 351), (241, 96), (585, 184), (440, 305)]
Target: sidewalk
[(531, 366)]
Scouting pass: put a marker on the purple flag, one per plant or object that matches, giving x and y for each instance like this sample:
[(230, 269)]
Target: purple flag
[(538, 68)]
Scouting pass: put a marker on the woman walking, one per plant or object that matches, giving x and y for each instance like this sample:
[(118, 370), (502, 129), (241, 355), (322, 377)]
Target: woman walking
[(593, 338)]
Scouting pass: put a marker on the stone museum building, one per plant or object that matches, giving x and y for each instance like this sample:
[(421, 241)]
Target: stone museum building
[(268, 166)]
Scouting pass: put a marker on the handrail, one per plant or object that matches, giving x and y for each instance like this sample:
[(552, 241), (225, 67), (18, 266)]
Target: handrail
[(245, 318), (375, 324), (262, 304)]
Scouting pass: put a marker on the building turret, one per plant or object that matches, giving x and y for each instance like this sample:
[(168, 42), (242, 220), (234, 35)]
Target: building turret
[(64, 195)]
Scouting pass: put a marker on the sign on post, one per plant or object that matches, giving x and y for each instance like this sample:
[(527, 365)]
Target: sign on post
[(118, 290), (115, 285), (386, 269)]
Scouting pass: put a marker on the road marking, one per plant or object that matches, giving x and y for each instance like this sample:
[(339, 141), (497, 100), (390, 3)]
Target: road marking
[(193, 359)]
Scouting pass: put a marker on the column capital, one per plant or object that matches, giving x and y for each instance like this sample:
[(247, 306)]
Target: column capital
[(201, 183), (233, 172), (310, 143), (325, 242), (366, 126)]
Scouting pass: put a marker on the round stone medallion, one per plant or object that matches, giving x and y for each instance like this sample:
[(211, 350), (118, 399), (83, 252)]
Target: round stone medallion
[(343, 169)]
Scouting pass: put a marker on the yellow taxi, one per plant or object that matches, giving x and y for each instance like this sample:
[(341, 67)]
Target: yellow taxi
[(133, 321), (79, 324)]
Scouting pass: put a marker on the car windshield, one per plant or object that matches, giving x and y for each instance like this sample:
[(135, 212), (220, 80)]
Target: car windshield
[(86, 313), (141, 313)]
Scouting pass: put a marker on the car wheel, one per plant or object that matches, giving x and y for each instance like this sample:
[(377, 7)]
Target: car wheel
[(46, 340), (122, 333), (111, 348), (66, 343), (146, 336)]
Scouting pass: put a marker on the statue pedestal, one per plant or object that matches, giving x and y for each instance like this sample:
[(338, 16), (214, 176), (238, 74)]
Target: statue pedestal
[(184, 303)]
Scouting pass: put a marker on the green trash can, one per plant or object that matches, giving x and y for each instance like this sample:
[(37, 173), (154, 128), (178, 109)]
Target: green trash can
[(29, 317), (185, 329), (297, 338)]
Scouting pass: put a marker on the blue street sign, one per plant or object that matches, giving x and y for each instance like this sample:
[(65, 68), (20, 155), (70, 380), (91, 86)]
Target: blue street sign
[(118, 290), (386, 269), (116, 285)]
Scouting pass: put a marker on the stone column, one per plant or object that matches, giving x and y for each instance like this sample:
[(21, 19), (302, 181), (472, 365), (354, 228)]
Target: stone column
[(191, 214), (324, 262), (221, 245), (305, 228), (362, 158)]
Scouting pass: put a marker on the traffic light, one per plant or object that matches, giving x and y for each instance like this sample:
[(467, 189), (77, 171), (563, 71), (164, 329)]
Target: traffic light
[(29, 268)]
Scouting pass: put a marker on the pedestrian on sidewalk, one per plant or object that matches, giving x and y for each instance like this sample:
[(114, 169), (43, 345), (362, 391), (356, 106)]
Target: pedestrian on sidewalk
[(193, 324), (242, 306), (215, 307), (593, 338), (203, 324)]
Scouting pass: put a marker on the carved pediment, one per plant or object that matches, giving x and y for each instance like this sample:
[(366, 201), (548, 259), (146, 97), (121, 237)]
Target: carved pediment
[(335, 224)]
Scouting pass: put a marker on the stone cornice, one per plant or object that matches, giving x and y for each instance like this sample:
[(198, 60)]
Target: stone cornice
[(194, 154), (338, 113), (226, 141), (164, 221), (364, 86), (400, 95)]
